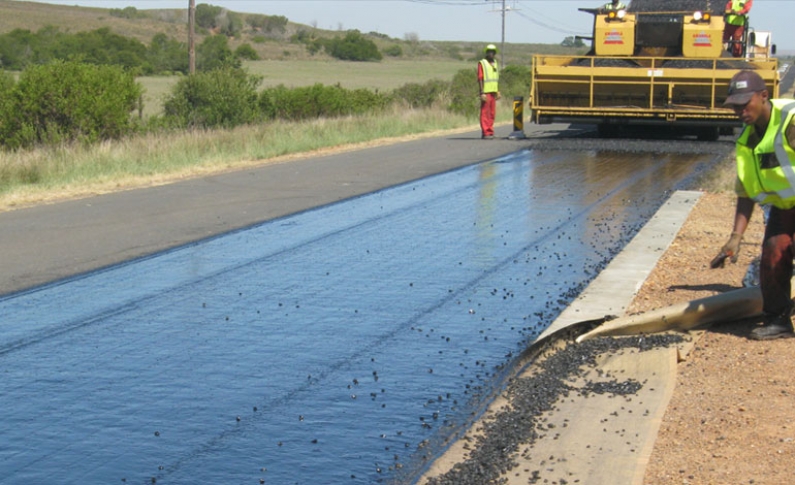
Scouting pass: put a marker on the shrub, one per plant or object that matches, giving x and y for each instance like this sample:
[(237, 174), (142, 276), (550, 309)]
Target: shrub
[(69, 101), (214, 53), (276, 23), (464, 92), (394, 51), (318, 101), (207, 16), (167, 55), (230, 23), (353, 47), (221, 98), (422, 95), (515, 81), (127, 13), (101, 46), (245, 51), (20, 48)]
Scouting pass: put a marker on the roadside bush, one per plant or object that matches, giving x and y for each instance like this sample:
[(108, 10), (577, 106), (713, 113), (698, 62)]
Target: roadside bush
[(222, 98), (424, 95), (318, 101), (69, 101), (6, 94), (515, 81), (464, 93)]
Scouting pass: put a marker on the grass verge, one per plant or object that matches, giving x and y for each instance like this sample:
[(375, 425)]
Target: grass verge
[(51, 174)]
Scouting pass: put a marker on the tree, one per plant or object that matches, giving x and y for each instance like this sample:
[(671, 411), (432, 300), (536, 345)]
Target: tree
[(167, 55), (353, 47), (572, 42), (214, 53), (207, 15)]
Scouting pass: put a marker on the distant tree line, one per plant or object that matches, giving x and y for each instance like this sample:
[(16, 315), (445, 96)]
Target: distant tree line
[(22, 48), (219, 19)]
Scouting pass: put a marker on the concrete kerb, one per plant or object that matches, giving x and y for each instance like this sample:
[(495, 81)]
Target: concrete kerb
[(597, 438), (613, 289)]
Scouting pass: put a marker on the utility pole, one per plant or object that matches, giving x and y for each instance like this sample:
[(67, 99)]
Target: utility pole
[(191, 35), (502, 44)]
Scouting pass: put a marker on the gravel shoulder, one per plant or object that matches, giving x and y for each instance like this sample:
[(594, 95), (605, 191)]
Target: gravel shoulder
[(706, 407), (731, 418)]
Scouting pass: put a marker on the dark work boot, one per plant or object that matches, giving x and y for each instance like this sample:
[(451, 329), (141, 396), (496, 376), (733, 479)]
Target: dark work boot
[(777, 326)]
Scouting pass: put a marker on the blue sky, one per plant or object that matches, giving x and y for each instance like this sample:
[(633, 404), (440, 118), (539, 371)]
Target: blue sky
[(526, 21)]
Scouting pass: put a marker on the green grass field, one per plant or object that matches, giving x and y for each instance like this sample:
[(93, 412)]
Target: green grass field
[(377, 76), (47, 173)]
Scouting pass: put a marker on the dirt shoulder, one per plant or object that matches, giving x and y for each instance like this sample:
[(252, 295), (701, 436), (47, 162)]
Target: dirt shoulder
[(731, 418)]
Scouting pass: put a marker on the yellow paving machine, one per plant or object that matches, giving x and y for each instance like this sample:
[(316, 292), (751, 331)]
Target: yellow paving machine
[(647, 67)]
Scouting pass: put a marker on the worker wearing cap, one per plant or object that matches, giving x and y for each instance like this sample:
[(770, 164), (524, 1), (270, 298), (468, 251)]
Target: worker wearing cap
[(765, 175), (614, 5), (735, 18), (488, 80)]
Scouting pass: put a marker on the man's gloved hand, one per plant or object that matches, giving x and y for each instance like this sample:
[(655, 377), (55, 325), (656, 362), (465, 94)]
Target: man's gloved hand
[(484, 97), (499, 96), (729, 250)]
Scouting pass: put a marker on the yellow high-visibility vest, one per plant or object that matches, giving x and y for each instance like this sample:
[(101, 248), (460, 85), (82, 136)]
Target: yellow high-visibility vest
[(491, 76), (734, 19), (767, 171)]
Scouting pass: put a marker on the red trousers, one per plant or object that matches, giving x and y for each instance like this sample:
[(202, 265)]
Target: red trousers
[(488, 109), (775, 271), (735, 33)]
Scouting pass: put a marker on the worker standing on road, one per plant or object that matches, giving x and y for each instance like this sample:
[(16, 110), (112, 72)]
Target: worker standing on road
[(765, 175), (736, 18), (488, 80), (614, 5)]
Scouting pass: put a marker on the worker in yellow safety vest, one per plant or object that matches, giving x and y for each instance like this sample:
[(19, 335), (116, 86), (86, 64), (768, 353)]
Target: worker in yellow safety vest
[(736, 18), (614, 5), (488, 80), (765, 175)]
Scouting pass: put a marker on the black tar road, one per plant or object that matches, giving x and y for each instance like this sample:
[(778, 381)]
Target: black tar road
[(51, 242)]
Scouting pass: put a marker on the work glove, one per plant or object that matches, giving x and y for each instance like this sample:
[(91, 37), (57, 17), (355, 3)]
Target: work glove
[(499, 96), (729, 250), (484, 97)]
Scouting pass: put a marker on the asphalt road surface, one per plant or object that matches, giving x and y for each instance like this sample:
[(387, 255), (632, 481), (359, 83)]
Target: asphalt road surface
[(51, 242)]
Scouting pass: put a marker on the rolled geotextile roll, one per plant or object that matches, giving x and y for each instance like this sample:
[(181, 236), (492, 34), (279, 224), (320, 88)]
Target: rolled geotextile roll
[(732, 305)]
